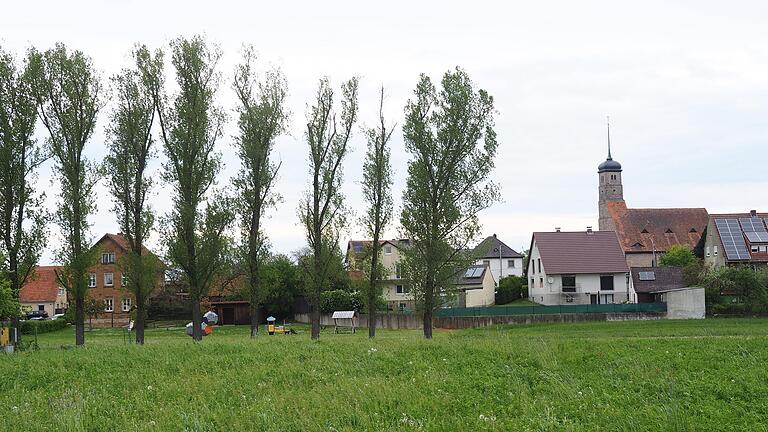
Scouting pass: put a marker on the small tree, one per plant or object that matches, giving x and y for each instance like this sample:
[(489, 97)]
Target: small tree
[(67, 91), (263, 117), (377, 181), (130, 151), (322, 211), (451, 139), (22, 218), (93, 307), (510, 288), (677, 256)]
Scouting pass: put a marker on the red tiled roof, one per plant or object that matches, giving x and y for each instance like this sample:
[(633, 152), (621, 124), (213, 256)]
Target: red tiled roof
[(122, 242), (42, 285), (642, 230), (580, 252)]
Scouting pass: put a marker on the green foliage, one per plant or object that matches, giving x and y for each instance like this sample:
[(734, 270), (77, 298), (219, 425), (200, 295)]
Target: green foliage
[(30, 327), (22, 217), (322, 211), (196, 232), (510, 289), (68, 94), (677, 256), (9, 303), (743, 284), (340, 300), (280, 284), (263, 116), (450, 136)]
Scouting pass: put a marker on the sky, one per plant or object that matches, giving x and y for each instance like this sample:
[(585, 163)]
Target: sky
[(685, 84)]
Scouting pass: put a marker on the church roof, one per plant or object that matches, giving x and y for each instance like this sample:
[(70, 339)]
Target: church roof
[(609, 165), (642, 230)]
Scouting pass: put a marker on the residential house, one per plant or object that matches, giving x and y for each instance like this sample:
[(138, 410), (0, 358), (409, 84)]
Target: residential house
[(395, 291), (644, 233), (106, 282), (584, 267), (650, 283), (736, 238), (42, 292), (476, 287), (500, 258)]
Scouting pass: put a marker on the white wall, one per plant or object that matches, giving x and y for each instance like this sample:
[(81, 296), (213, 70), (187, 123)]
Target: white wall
[(485, 296), (505, 270), (686, 303)]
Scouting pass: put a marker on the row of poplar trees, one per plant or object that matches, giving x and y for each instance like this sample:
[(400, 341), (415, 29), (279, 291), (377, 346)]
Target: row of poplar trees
[(447, 131)]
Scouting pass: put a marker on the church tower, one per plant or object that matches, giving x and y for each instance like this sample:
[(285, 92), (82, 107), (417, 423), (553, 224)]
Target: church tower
[(609, 188)]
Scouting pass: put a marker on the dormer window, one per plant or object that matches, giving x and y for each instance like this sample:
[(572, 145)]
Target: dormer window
[(693, 230), (644, 231), (638, 245), (669, 231), (108, 258)]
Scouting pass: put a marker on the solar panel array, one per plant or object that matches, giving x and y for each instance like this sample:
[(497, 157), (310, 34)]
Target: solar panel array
[(733, 239), (754, 230), (647, 276), (473, 272)]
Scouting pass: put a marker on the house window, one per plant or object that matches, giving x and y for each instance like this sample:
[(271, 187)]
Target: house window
[(109, 279), (126, 304), (402, 307), (387, 250), (123, 279), (707, 250), (108, 258), (510, 263), (606, 283), (399, 289), (569, 283), (398, 271), (533, 283), (61, 291), (755, 248), (539, 265), (91, 280), (541, 282), (109, 305), (606, 298), (41, 307), (714, 250)]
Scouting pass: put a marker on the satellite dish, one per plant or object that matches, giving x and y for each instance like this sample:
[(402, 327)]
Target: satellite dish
[(550, 280)]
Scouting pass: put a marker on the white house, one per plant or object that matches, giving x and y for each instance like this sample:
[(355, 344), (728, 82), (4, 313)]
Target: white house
[(500, 258), (584, 267)]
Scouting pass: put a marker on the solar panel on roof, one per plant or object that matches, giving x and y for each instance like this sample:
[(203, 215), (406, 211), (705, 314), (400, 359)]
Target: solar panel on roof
[(647, 276), (752, 224), (473, 272), (757, 237), (733, 239)]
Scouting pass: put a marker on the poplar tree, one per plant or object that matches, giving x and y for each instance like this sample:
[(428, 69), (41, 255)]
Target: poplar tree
[(131, 149), (189, 127), (322, 211), (22, 218), (67, 92), (263, 116), (451, 139), (377, 182)]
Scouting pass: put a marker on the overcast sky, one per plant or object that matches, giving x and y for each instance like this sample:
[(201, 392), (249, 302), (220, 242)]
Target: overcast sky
[(685, 85)]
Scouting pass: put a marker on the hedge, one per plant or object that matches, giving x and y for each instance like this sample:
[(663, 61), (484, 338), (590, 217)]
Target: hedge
[(43, 326)]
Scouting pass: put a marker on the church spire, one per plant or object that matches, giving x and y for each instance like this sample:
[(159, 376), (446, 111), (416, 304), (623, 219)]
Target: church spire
[(608, 123)]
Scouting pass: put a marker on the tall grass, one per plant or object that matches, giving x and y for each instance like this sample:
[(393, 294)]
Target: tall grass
[(659, 375)]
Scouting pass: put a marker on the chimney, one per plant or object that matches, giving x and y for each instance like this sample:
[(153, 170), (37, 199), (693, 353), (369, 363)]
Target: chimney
[(494, 235), (557, 229), (753, 213), (589, 230)]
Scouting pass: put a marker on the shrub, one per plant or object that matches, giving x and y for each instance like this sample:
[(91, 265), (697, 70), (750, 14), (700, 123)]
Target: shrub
[(677, 256), (43, 326), (336, 300), (511, 288)]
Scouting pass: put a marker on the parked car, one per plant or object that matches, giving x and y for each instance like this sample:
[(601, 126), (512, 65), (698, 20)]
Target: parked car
[(37, 315)]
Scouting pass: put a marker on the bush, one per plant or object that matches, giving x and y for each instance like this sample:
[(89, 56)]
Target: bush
[(511, 288), (336, 300), (43, 326)]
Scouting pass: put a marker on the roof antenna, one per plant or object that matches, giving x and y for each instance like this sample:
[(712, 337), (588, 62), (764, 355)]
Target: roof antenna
[(608, 123)]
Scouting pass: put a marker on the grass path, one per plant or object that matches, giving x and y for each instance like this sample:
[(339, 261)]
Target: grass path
[(631, 376)]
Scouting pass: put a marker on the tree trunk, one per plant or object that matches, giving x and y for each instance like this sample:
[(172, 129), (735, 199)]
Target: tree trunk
[(315, 314), (429, 304), (372, 289), (255, 320), (79, 321), (139, 323), (428, 323), (197, 333)]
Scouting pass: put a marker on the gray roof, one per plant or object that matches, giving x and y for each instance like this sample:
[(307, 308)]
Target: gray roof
[(657, 279), (473, 275), (609, 165), (580, 252), (489, 248)]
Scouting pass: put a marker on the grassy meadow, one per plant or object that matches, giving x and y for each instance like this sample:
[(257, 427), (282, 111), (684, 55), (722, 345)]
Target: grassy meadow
[(617, 376)]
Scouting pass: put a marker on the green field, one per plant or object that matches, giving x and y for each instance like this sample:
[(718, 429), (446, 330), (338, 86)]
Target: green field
[(638, 376)]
